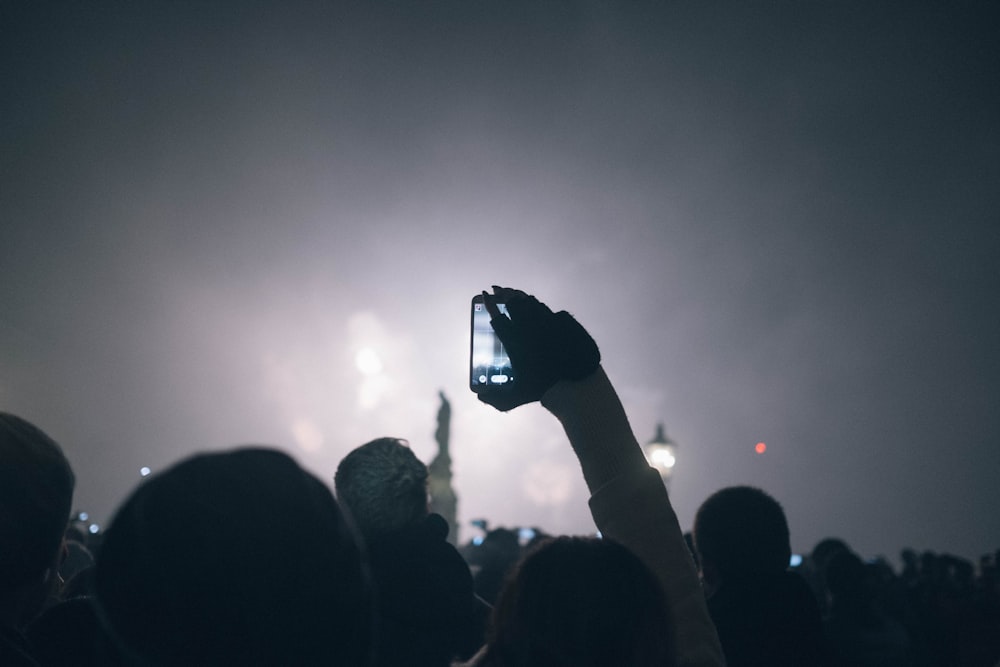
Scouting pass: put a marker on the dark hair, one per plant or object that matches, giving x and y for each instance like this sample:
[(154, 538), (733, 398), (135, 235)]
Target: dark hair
[(36, 493), (742, 531), (235, 558), (847, 578), (584, 602), (383, 485)]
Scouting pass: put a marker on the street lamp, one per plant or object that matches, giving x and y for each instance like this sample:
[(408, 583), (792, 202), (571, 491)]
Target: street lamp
[(661, 452)]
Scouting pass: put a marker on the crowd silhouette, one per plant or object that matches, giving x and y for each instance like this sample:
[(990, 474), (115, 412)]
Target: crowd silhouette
[(242, 557)]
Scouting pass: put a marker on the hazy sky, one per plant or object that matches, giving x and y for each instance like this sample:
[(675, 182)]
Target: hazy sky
[(779, 220)]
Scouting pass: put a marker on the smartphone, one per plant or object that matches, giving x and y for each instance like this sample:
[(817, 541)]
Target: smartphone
[(489, 365)]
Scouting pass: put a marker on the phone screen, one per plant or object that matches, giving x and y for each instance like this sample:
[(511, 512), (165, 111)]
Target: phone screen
[(489, 365)]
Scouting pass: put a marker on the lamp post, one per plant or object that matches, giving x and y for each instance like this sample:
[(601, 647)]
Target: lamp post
[(661, 452)]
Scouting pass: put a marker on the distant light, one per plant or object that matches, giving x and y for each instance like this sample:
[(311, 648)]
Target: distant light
[(83, 516), (94, 529), (368, 361), (661, 453), (760, 448), (795, 560), (144, 471), (662, 458), (477, 540)]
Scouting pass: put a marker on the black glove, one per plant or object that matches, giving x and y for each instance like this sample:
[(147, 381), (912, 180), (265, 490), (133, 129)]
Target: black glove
[(544, 347)]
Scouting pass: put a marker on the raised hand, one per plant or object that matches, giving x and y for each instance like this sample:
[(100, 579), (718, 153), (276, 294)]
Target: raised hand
[(544, 347)]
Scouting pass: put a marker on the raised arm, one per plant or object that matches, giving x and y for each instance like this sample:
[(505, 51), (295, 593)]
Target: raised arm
[(558, 363)]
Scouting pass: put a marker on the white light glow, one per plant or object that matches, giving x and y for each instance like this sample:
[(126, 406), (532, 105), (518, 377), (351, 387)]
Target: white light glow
[(662, 458), (368, 361), (308, 435)]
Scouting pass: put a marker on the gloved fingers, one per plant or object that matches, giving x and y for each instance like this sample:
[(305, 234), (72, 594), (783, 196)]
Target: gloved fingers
[(519, 304), (492, 308), (524, 307), (505, 294), (529, 314), (543, 347), (501, 323)]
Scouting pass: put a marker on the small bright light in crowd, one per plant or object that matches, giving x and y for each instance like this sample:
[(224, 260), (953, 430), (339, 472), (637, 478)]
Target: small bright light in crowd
[(94, 529), (760, 448), (82, 516), (795, 560), (478, 539), (663, 458), (144, 471), (368, 361)]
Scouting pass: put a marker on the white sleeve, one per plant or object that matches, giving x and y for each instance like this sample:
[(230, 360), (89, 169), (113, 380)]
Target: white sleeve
[(630, 505)]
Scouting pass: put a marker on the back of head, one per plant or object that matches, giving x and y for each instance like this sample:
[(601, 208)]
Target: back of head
[(234, 558), (742, 532), (36, 492), (384, 487), (825, 550), (847, 578), (583, 602)]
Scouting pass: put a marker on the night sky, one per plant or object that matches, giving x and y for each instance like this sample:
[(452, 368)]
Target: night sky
[(779, 220)]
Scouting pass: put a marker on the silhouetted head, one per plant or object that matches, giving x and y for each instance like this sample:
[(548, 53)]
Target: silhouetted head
[(36, 492), (384, 487), (825, 550), (234, 558), (501, 547), (847, 578), (581, 602), (741, 532)]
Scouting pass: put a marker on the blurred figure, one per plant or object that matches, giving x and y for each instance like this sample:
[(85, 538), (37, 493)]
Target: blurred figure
[(581, 602), (428, 610), (860, 634), (36, 492), (234, 558), (765, 615), (813, 568), (952, 616), (495, 558), (70, 634)]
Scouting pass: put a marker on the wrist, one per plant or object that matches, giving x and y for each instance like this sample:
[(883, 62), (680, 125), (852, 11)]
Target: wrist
[(597, 427)]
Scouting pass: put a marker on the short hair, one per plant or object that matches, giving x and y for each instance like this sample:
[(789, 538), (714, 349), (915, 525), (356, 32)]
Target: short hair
[(383, 485), (36, 494), (234, 558), (581, 602), (742, 531)]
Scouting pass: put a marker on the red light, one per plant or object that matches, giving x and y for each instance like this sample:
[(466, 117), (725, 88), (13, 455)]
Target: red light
[(760, 448)]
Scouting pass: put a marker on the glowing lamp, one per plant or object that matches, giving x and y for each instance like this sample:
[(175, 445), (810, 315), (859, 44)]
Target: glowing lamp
[(661, 452)]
